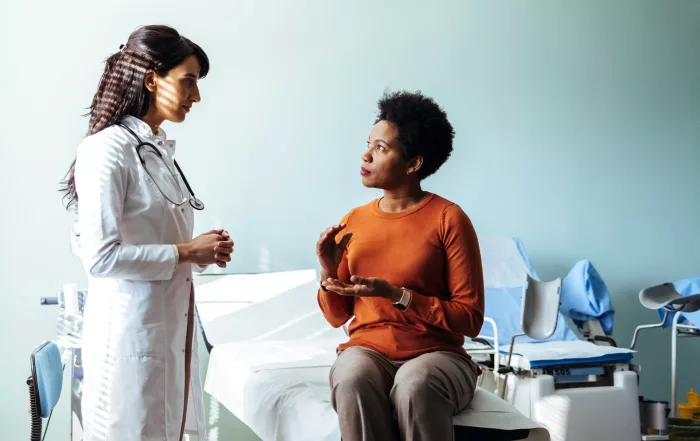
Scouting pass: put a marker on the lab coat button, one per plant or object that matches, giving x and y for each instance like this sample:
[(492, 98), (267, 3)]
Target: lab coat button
[(182, 209), (188, 279)]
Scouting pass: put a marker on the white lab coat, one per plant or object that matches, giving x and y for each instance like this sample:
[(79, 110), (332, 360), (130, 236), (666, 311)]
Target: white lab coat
[(136, 312)]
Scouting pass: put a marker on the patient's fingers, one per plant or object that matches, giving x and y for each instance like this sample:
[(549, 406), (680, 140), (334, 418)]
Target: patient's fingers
[(323, 241), (344, 241), (330, 230), (347, 289), (361, 280), (336, 282), (353, 290), (334, 285)]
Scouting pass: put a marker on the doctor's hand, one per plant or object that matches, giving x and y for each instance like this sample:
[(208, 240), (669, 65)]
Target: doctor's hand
[(221, 263), (330, 252), (212, 247), (364, 287)]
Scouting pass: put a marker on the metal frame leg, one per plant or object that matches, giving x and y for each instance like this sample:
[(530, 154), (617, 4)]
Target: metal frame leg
[(657, 325), (674, 352), (508, 368)]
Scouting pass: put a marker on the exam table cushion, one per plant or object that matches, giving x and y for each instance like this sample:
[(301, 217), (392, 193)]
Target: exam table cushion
[(290, 400), (565, 353)]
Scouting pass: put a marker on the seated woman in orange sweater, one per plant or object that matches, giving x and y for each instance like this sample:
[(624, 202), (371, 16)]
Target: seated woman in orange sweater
[(407, 266)]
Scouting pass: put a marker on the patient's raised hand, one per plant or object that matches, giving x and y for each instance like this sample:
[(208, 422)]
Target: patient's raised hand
[(330, 252)]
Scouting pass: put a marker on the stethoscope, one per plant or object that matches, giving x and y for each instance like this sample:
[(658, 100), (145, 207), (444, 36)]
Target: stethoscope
[(194, 202)]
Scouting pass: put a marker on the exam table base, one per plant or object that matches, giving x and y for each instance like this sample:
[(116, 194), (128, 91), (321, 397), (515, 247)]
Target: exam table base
[(606, 408)]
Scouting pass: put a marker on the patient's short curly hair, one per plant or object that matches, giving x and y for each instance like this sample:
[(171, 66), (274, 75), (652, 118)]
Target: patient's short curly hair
[(422, 125)]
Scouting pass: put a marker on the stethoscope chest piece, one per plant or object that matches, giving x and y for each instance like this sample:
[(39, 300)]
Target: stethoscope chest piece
[(196, 203)]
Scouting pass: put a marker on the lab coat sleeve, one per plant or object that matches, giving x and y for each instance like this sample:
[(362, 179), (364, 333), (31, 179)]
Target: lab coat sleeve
[(101, 178), (199, 268)]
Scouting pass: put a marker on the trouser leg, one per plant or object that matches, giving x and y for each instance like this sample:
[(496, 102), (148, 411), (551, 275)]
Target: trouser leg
[(360, 383), (428, 391)]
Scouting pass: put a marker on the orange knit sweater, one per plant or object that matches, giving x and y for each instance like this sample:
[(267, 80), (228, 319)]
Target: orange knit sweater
[(431, 249)]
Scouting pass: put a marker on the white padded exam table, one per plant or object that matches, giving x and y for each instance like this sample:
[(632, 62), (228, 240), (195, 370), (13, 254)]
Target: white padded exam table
[(270, 355)]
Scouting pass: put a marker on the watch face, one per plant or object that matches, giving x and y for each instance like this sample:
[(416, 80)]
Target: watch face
[(400, 306), (403, 301)]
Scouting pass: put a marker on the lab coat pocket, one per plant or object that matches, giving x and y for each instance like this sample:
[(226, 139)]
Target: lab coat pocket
[(137, 397), (138, 319)]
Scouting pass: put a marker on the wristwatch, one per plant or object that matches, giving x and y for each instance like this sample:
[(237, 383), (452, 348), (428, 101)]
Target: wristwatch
[(405, 299)]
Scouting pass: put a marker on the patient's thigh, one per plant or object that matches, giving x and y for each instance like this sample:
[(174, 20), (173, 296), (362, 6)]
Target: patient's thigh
[(360, 368), (438, 377)]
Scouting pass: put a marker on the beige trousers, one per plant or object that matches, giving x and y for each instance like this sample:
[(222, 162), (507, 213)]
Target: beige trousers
[(377, 399)]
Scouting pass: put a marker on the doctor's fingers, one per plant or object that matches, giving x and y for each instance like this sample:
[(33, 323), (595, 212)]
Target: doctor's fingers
[(225, 244), (220, 232), (226, 247), (222, 257)]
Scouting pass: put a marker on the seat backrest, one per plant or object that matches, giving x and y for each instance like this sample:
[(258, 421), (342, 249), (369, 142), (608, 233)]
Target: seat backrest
[(504, 262), (540, 309), (665, 295), (47, 373)]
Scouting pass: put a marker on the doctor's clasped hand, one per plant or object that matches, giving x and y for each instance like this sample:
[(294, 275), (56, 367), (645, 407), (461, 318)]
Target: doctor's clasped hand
[(213, 247)]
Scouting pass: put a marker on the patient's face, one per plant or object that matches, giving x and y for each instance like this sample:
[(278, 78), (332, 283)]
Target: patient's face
[(383, 164)]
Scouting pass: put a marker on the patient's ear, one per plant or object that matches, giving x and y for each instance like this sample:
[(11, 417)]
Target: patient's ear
[(414, 165)]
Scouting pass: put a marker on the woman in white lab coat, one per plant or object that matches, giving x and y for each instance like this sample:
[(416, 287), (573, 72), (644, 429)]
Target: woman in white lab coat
[(135, 212)]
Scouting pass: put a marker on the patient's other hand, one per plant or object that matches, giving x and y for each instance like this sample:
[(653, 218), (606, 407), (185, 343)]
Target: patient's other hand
[(364, 287), (330, 252)]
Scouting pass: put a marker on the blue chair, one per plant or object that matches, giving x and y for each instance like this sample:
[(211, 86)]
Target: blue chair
[(45, 384)]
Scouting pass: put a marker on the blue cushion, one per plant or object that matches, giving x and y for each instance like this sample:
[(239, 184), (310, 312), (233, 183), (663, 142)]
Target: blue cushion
[(584, 296), (49, 376)]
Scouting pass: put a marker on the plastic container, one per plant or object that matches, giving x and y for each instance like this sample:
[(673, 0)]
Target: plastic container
[(691, 409)]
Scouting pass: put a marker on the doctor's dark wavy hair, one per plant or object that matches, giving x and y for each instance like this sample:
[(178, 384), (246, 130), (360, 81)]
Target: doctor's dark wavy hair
[(121, 90)]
